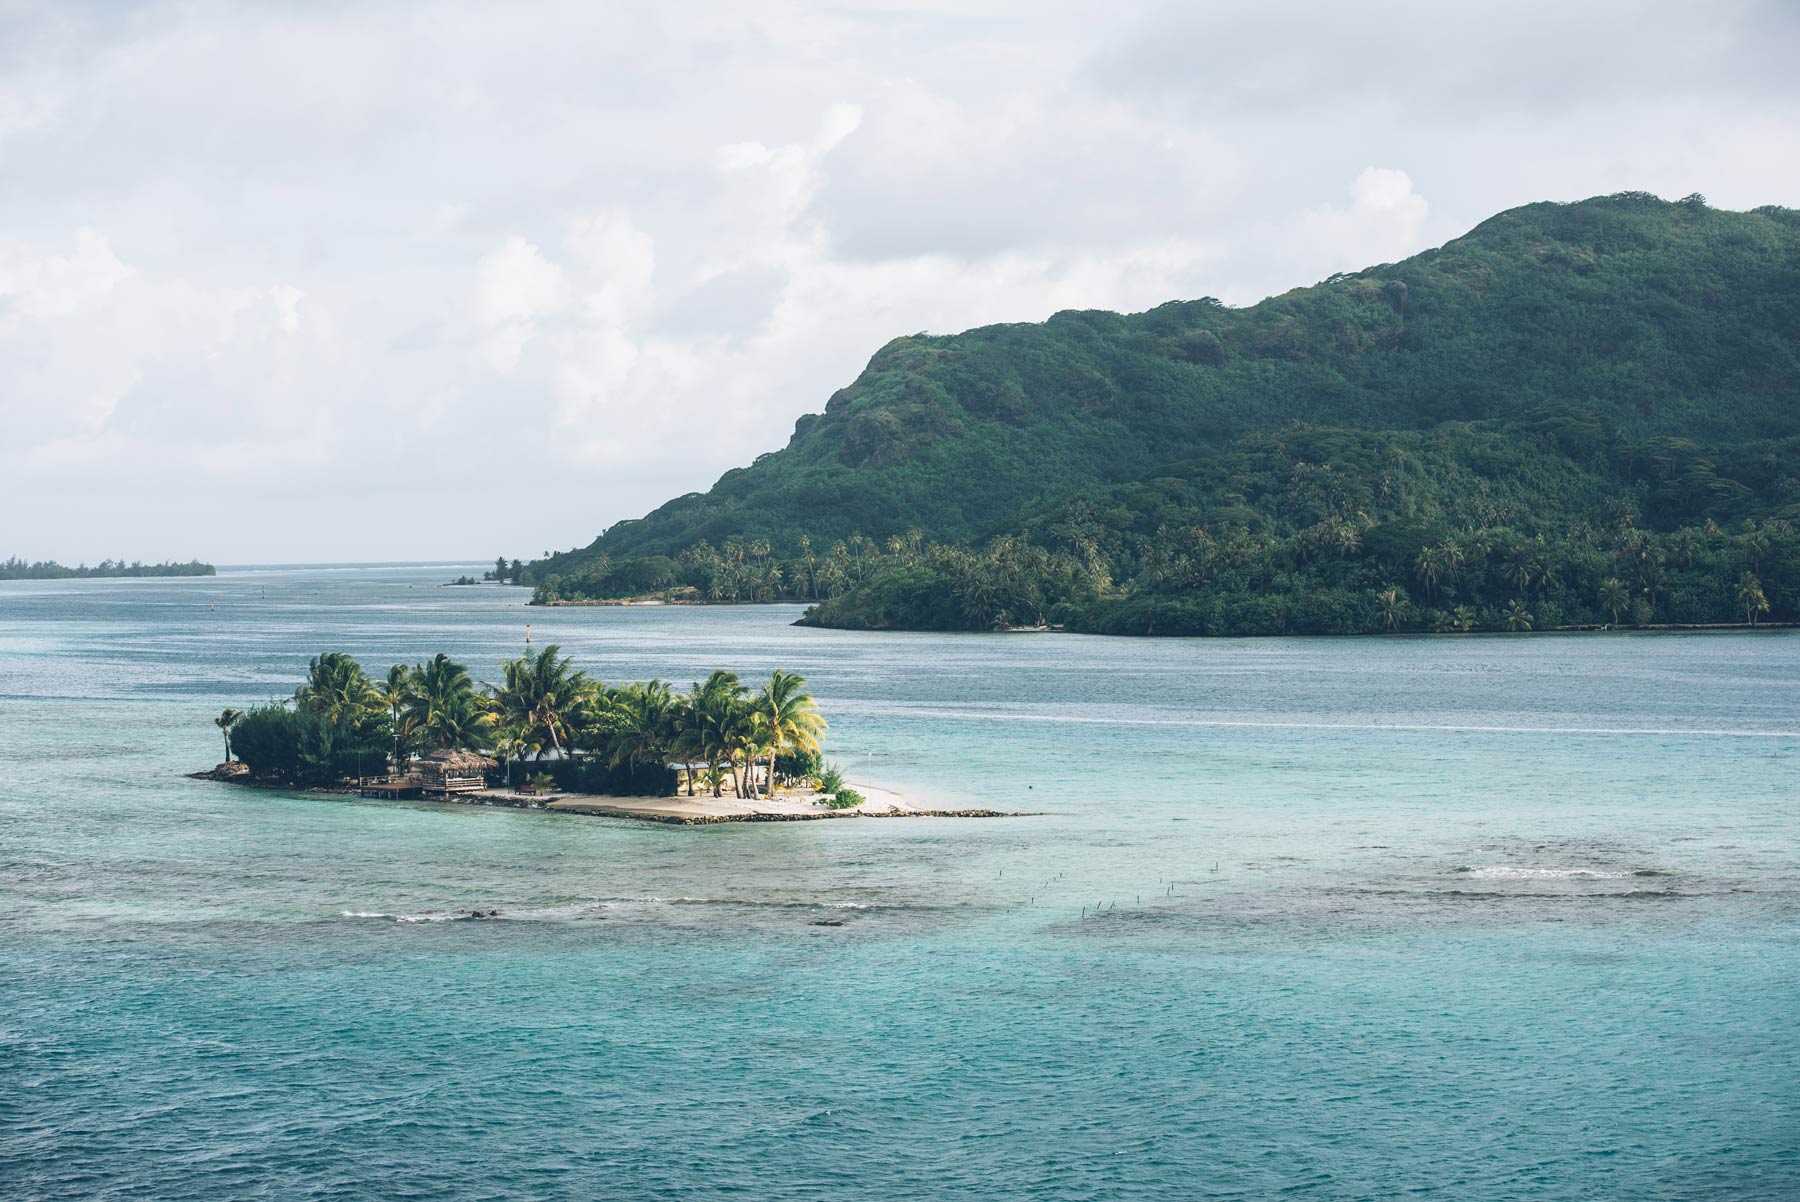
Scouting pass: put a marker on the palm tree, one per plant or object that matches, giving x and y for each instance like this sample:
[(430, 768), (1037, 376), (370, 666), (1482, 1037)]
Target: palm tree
[(1517, 617), (225, 721), (1427, 567), (393, 693), (443, 703), (511, 744), (1755, 544), (546, 693), (788, 716), (642, 721), (1614, 597), (1464, 618), (1750, 596), (748, 742), (337, 689), (1521, 566), (1393, 607), (714, 716)]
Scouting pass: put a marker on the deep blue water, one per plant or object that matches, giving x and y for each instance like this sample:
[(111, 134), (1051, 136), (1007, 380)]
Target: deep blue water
[(1481, 918)]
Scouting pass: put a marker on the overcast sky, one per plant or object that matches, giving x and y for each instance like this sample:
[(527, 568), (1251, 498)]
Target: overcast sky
[(347, 281)]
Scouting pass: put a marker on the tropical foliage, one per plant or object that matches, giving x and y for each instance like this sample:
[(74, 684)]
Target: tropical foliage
[(18, 569), (545, 715), (1567, 399)]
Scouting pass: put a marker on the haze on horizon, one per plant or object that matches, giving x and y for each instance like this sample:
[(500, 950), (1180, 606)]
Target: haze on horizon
[(297, 283)]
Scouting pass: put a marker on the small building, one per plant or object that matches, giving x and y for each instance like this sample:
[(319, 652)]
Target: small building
[(452, 771)]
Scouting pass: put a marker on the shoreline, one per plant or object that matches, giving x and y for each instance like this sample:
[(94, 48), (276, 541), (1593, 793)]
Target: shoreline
[(1649, 628), (675, 811)]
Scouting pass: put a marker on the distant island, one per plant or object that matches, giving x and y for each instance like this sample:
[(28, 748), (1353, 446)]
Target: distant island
[(18, 569), (548, 736), (1576, 415)]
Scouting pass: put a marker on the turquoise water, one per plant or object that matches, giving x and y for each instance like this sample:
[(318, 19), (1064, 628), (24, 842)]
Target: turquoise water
[(1476, 918)]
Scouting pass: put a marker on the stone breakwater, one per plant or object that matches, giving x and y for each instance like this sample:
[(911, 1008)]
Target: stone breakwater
[(604, 811)]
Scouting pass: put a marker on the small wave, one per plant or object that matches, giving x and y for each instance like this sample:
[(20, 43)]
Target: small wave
[(1516, 896), (408, 918), (759, 903), (1506, 872)]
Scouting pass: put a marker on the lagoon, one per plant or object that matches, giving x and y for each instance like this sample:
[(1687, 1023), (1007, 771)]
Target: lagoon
[(1446, 918)]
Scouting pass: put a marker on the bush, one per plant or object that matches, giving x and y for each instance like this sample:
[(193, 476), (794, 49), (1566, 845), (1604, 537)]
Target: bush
[(845, 799), (268, 740), (798, 765), (284, 743), (830, 782)]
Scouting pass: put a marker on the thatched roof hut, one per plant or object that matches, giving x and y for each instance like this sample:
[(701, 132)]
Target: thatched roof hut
[(453, 771), (455, 762)]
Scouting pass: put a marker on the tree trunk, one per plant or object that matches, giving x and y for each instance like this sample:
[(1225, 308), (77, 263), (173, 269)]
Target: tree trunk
[(771, 769)]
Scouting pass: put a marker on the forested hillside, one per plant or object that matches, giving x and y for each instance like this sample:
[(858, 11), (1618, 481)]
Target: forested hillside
[(1574, 413)]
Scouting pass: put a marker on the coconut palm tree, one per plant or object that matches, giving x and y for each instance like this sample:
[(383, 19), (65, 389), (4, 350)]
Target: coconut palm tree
[(749, 742), (393, 693), (1521, 565), (788, 717), (545, 692), (641, 721), (443, 703), (1429, 570), (337, 689), (1750, 596), (511, 744), (1517, 616), (1614, 597), (714, 716), (225, 721), (1393, 607)]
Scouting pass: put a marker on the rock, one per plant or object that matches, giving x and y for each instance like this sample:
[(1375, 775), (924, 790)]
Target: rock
[(829, 922)]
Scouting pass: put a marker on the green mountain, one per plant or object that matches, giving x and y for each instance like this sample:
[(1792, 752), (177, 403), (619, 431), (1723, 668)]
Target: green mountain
[(1560, 382)]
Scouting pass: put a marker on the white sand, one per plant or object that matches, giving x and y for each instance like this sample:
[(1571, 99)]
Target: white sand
[(796, 803)]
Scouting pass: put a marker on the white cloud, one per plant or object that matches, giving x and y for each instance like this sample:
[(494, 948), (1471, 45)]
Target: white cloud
[(633, 244), (516, 286), (1384, 221), (40, 284)]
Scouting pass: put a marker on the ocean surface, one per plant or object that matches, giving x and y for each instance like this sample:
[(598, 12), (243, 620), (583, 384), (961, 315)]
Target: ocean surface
[(1483, 918)]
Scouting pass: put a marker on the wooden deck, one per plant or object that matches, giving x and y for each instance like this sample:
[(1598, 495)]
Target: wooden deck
[(392, 790)]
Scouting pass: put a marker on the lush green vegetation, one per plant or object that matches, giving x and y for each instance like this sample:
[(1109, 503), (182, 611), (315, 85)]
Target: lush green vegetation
[(17, 569), (1575, 414), (545, 716)]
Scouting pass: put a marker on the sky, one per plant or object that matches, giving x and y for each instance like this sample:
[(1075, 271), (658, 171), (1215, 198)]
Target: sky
[(321, 281)]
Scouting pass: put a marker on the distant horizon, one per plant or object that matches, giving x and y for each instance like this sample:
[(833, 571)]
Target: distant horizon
[(269, 566)]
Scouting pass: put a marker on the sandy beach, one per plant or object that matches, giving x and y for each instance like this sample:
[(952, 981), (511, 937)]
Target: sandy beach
[(796, 806)]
